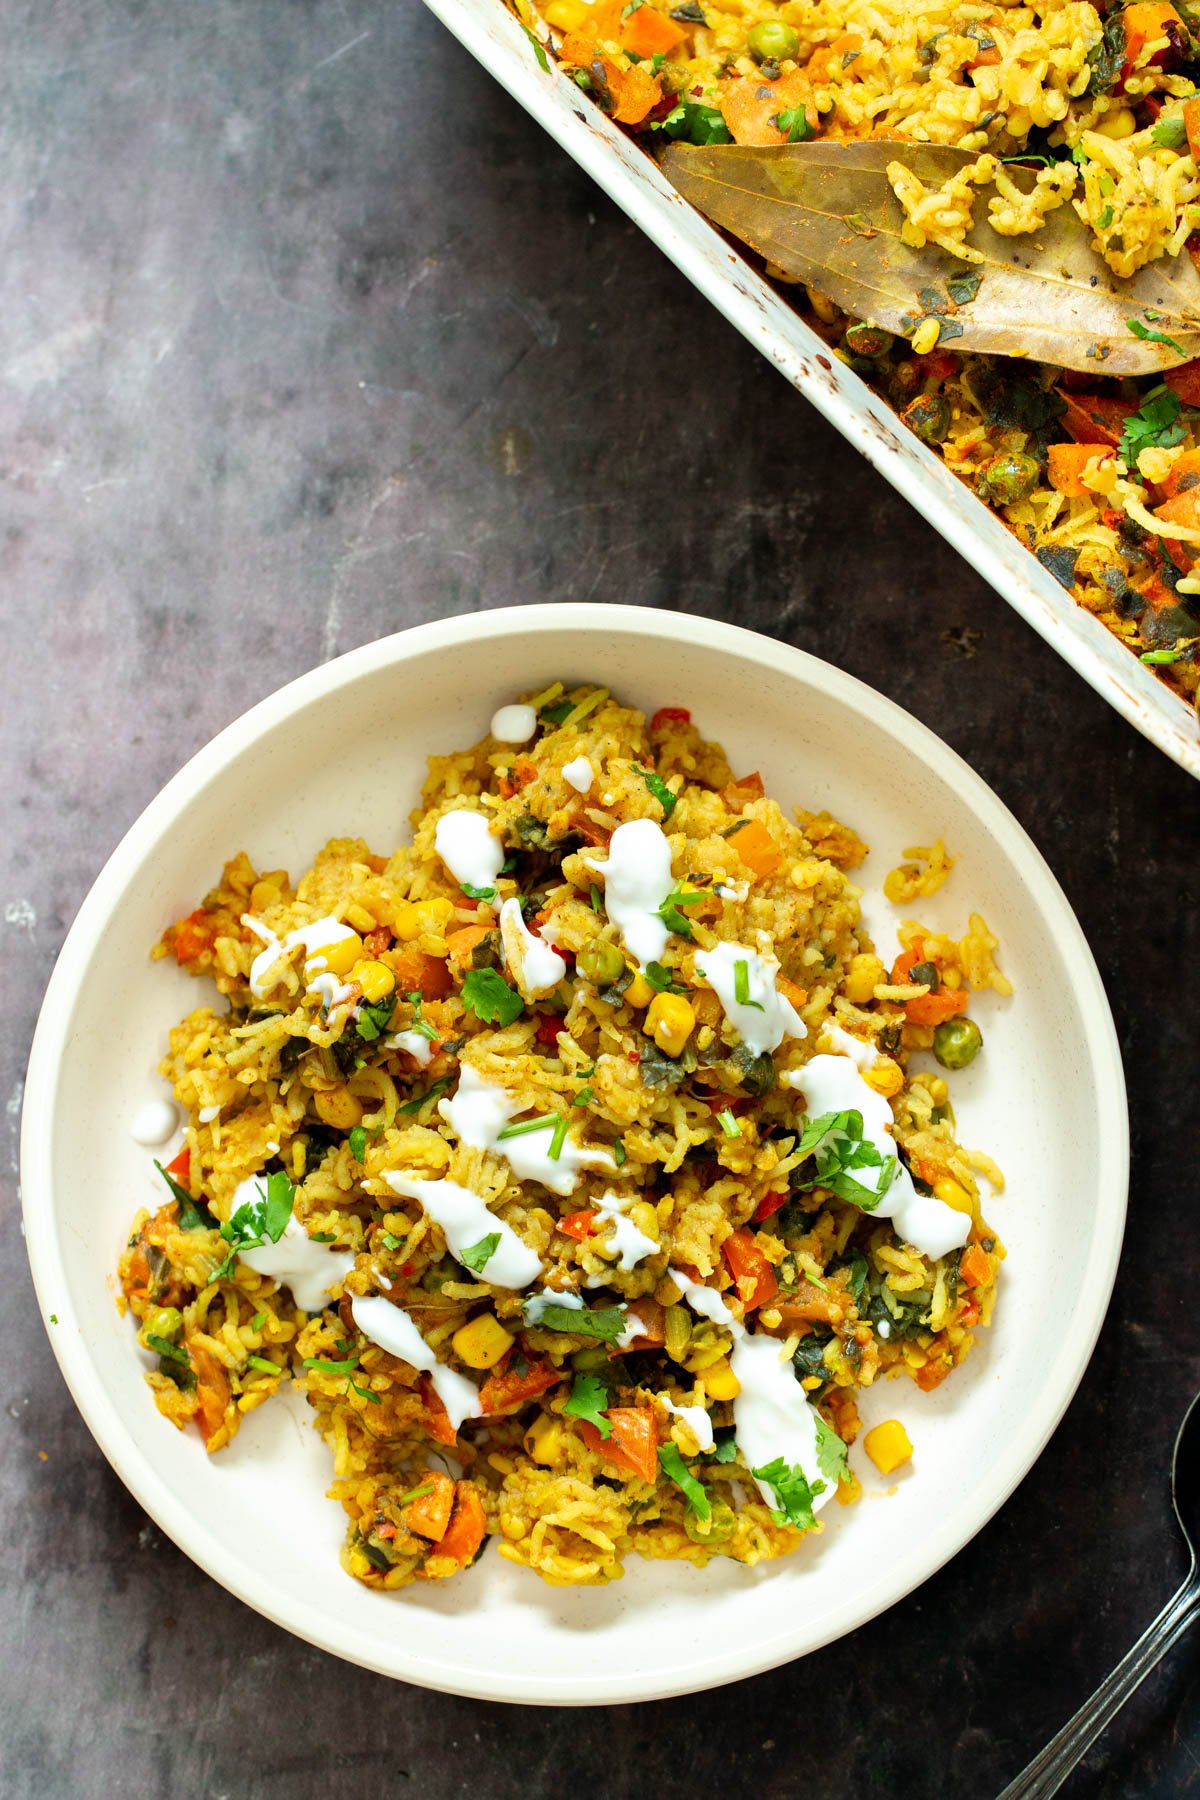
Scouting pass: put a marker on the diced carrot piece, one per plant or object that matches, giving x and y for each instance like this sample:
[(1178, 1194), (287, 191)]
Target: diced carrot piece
[(742, 790), (1146, 21), (578, 1225), (670, 715), (650, 33), (753, 1275), (939, 1004), (635, 92), (932, 1375), (797, 995), (417, 973), (757, 849), (212, 1389), (829, 59), (437, 1419), (1185, 380), (653, 1333), (1191, 124), (601, 25), (633, 1445), (522, 771), (975, 1267), (467, 1528), (429, 1514), (461, 943), (181, 1169), (1182, 509), (193, 936), (749, 104), (1067, 464), (1094, 418), (512, 1383), (770, 1205)]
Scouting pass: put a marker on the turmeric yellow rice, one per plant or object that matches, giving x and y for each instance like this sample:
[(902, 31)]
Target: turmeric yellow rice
[(570, 1158)]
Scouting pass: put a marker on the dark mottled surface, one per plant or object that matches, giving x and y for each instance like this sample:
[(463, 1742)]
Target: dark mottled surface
[(308, 333)]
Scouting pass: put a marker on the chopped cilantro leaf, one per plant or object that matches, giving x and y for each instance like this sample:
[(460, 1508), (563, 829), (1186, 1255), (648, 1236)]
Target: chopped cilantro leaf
[(670, 914), (371, 1021), (831, 1451), (1155, 426), (676, 1470), (418, 1101), (193, 1214), (475, 1256), (257, 1221), (793, 1492), (606, 1323), (589, 1397), (725, 1445), (389, 1240), (836, 1143), (421, 1025), (695, 123), (661, 979), (164, 1347), (477, 893), (793, 122), (539, 49), (618, 1151), (1170, 133), (486, 993), (358, 1142), (658, 787), (557, 714)]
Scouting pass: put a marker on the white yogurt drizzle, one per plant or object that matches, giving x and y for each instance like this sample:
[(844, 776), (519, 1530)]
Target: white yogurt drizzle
[(394, 1331), (637, 879), (834, 1084), (861, 1051), (771, 1416), (628, 1242), (763, 1021), (514, 724), (479, 1112), (417, 1046), (266, 970), (534, 1308), (695, 1418), (155, 1122), (471, 852), (465, 1220), (737, 894), (533, 965), (580, 774), (632, 1329), (298, 1261)]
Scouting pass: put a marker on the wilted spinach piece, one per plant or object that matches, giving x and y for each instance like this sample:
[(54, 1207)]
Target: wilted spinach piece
[(756, 1073), (1107, 57), (1011, 402), (530, 833), (1059, 561), (809, 1357), (486, 954), (660, 1071), (856, 1263), (907, 1318)]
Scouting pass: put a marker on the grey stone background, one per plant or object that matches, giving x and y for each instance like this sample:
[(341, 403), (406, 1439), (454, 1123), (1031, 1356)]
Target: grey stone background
[(307, 334)]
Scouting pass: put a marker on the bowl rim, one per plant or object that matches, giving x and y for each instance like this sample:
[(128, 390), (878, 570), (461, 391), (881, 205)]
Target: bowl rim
[(197, 1539)]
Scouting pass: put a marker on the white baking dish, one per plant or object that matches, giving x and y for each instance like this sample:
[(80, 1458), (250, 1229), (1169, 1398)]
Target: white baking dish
[(630, 177)]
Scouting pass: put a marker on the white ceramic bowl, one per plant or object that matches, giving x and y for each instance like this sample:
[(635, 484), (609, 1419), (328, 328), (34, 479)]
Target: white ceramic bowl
[(342, 751)]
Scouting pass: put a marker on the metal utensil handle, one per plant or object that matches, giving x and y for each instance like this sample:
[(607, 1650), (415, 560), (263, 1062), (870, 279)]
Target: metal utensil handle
[(1050, 1768)]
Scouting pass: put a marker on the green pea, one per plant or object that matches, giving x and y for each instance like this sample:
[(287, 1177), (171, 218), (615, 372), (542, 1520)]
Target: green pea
[(957, 1042), (772, 41), (602, 964), (1008, 478), (929, 417), (869, 340), (163, 1322), (715, 1530)]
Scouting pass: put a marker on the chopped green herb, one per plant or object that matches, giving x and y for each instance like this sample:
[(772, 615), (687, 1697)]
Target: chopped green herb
[(695, 123), (165, 1348), (324, 1367), (1155, 426), (258, 1321), (793, 122), (54, 1318), (418, 1101), (596, 897), (962, 289), (662, 980), (539, 49), (605, 1323), (545, 1122), (389, 1240), (793, 1492), (658, 787), (836, 1143), (358, 1142), (1105, 220), (831, 1451), (557, 714), (558, 1140), (362, 1392), (256, 1221), (477, 893), (618, 1151), (193, 1214), (1154, 337), (371, 1021), (741, 985), (267, 1367), (1170, 133), (729, 1124), (475, 1256), (486, 993), (420, 1024), (584, 1097), (589, 1397), (426, 1487), (724, 1448), (1171, 655), (670, 914), (676, 1470)]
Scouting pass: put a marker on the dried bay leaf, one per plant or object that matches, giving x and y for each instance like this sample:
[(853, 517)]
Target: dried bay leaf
[(824, 213)]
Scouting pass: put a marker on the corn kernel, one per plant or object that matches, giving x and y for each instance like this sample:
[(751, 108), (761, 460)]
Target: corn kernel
[(720, 1382), (953, 1193), (888, 1446), (339, 958), (1118, 124), (862, 975), (374, 978), (339, 1108), (885, 1076), (481, 1342), (545, 1439), (639, 992), (360, 918), (405, 922), (432, 915), (566, 15), (670, 1021)]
